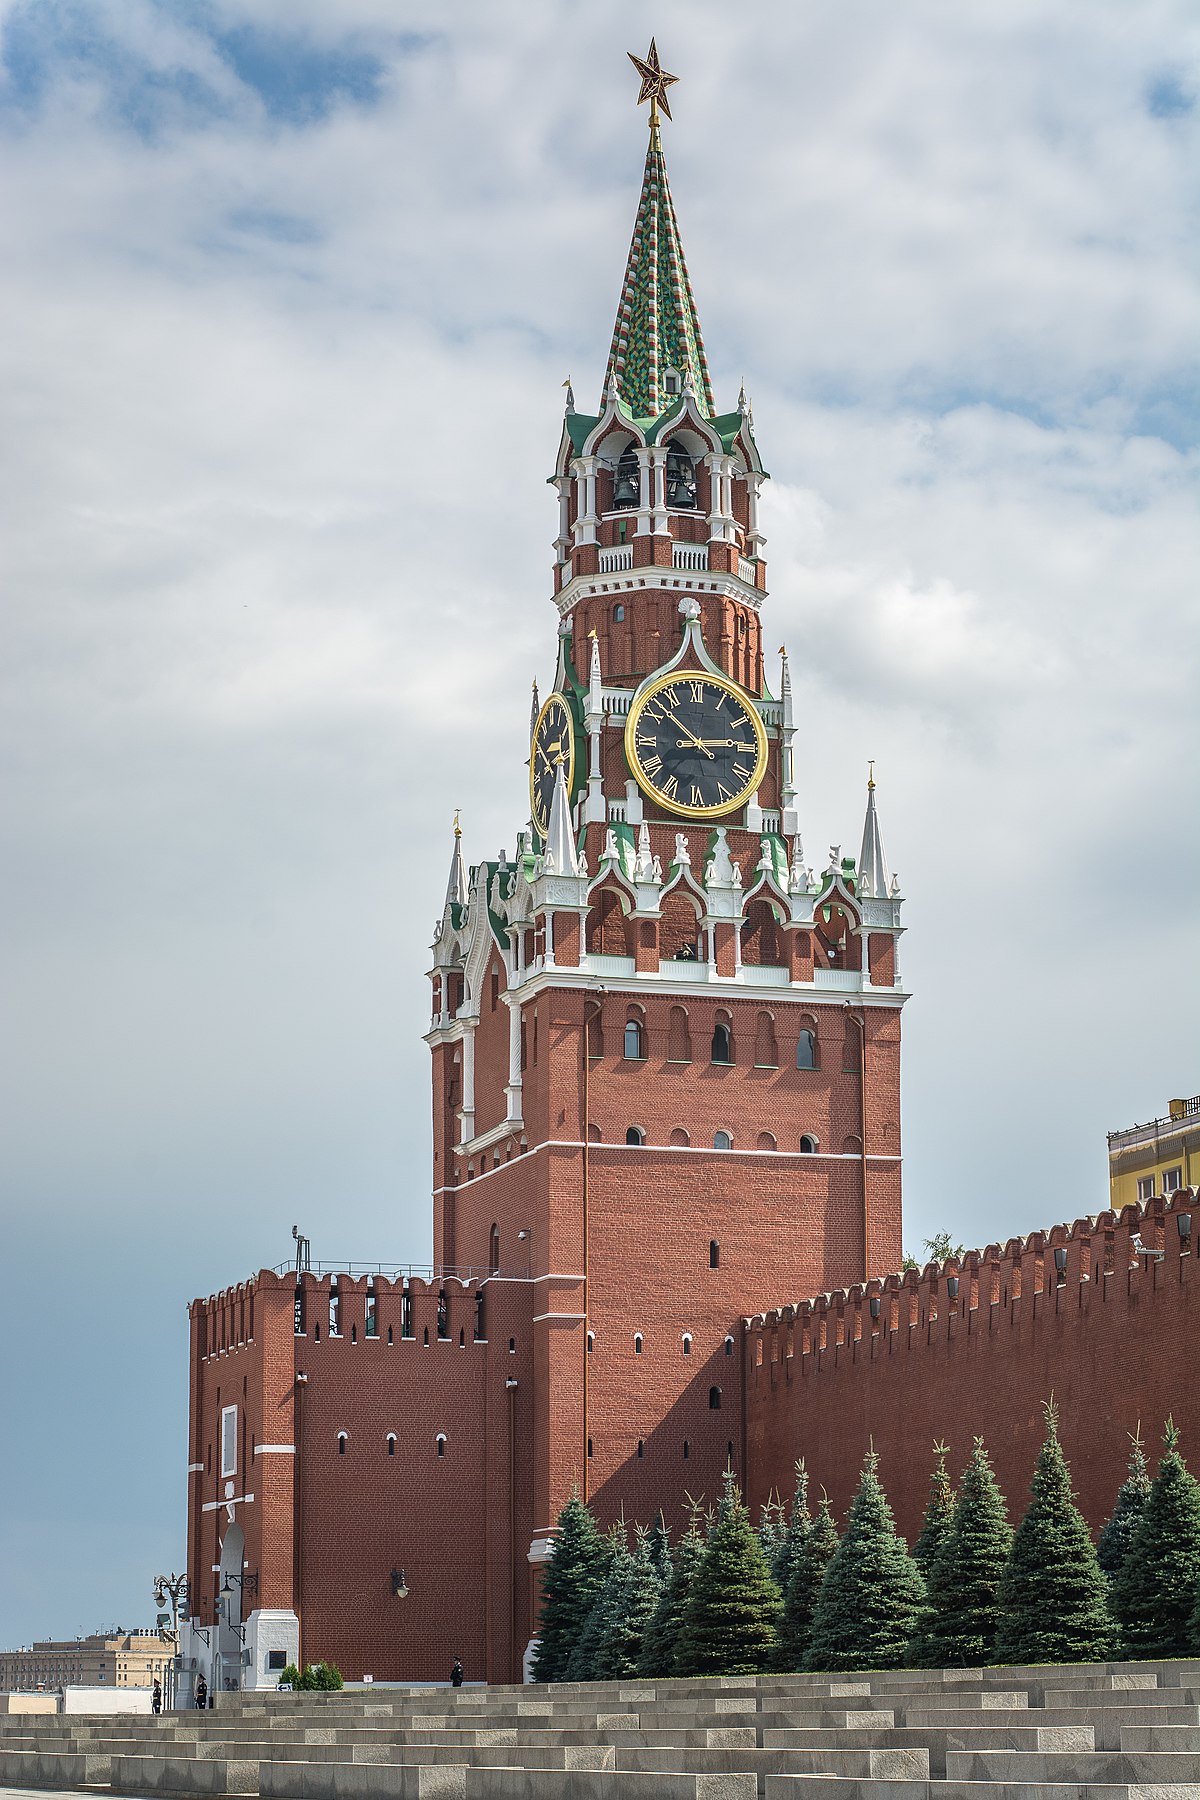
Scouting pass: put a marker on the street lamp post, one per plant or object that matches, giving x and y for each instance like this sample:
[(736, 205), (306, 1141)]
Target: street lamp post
[(173, 1588)]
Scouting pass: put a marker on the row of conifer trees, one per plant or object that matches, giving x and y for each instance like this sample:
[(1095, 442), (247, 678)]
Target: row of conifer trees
[(728, 1599)]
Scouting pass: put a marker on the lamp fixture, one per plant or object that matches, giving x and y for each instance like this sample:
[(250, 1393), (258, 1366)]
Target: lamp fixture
[(1183, 1223), (399, 1584), (248, 1584)]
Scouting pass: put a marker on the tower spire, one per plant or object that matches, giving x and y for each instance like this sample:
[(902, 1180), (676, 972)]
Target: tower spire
[(873, 876), (561, 857), (456, 887), (657, 326)]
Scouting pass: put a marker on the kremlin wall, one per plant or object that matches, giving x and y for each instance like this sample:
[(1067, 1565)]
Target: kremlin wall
[(1099, 1313)]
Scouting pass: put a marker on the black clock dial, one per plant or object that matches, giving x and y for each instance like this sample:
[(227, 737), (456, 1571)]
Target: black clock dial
[(696, 744), (553, 743)]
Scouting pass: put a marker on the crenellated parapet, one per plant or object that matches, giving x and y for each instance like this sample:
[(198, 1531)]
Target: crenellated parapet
[(344, 1309), (1141, 1239)]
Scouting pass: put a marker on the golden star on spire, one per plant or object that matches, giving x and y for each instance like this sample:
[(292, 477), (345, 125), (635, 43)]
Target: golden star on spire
[(655, 81)]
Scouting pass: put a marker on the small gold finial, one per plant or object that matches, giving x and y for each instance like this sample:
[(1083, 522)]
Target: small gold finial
[(592, 632), (457, 826), (655, 82), (567, 382), (871, 774)]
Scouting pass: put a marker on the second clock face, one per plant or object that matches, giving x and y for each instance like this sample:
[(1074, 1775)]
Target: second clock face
[(696, 744), (553, 743)]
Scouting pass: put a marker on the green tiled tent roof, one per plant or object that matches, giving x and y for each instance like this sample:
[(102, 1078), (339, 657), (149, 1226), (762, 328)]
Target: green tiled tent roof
[(657, 326)]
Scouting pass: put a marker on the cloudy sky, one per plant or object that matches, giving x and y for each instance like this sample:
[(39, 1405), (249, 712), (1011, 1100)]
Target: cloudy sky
[(287, 295)]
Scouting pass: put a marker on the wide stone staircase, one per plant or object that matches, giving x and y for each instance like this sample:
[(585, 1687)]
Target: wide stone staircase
[(1119, 1731)]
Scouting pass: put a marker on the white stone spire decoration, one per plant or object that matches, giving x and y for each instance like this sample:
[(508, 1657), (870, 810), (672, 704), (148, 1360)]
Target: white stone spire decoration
[(644, 867), (534, 710), (874, 880), (594, 809), (456, 887), (789, 822), (561, 857)]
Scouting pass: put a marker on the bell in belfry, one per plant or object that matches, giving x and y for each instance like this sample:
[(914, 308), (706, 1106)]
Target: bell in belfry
[(627, 487), (681, 478)]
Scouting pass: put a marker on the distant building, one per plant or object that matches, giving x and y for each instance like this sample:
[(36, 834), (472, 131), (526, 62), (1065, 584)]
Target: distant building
[(1153, 1161), (120, 1659)]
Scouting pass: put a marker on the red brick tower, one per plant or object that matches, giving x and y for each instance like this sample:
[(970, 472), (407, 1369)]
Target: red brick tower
[(666, 1054)]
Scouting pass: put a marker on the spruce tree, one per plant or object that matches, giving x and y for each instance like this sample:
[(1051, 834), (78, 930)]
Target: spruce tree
[(728, 1625), (957, 1626), (796, 1530), (772, 1531), (589, 1645), (662, 1630), (630, 1597), (812, 1557), (1153, 1594), (1053, 1596), (1130, 1504), (660, 1548), (872, 1592), (939, 1510), (574, 1574)]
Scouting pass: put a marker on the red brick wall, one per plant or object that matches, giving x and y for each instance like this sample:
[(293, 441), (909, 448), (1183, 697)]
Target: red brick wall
[(458, 1525), (1111, 1347)]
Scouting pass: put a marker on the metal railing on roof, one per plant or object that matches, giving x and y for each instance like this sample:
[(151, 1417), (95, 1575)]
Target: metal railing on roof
[(392, 1271), (1191, 1108)]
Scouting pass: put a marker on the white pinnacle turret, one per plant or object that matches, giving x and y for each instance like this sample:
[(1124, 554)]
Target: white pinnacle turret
[(561, 857), (873, 877), (456, 887)]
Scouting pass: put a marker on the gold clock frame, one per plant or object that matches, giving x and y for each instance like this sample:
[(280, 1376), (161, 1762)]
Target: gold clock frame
[(674, 678), (551, 703)]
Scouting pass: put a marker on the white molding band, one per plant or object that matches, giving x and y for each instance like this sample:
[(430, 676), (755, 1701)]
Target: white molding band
[(274, 1449)]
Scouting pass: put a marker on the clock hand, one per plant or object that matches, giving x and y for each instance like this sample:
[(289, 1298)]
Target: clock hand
[(700, 745), (721, 743)]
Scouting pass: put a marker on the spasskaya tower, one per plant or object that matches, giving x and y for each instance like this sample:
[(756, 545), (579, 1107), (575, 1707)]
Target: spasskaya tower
[(666, 1096), (666, 1049)]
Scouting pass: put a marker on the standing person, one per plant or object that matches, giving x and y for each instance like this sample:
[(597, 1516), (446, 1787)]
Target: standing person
[(156, 1696), (201, 1694), (456, 1674)]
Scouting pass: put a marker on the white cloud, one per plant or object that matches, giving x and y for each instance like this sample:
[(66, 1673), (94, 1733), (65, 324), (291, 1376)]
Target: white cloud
[(280, 400)]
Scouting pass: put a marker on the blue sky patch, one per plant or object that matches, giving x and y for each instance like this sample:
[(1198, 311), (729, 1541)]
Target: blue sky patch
[(1167, 98), (295, 80)]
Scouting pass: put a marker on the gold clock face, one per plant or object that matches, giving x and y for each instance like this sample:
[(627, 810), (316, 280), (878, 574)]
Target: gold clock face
[(696, 744), (553, 743)]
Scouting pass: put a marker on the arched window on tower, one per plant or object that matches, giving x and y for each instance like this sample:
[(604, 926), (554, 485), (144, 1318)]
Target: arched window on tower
[(807, 1053), (722, 1140), (714, 1399), (808, 1144), (681, 477), (722, 1040), (627, 481), (635, 1040), (635, 1135), (494, 1249)]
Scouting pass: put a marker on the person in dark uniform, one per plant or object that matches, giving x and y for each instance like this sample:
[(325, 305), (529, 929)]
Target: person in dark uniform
[(156, 1697), (201, 1694), (456, 1674)]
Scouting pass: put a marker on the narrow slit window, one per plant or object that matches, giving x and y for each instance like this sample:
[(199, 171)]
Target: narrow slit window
[(714, 1254)]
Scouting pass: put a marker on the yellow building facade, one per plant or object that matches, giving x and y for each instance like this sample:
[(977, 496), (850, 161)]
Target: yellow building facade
[(126, 1659), (1148, 1161)]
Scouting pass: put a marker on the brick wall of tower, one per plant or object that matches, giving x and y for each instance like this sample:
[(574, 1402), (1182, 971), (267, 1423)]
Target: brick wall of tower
[(325, 1527), (1106, 1336)]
